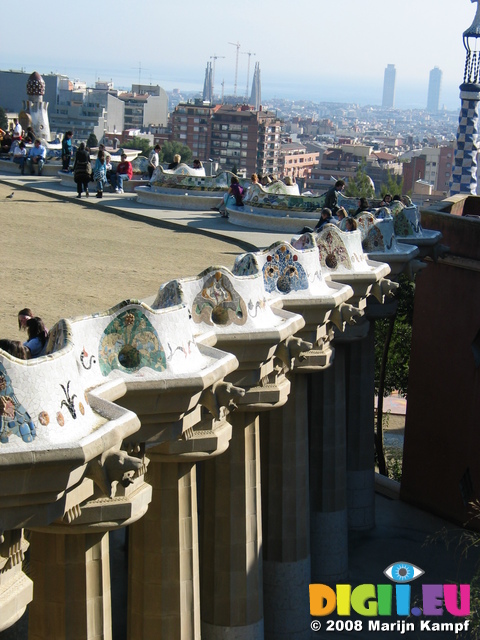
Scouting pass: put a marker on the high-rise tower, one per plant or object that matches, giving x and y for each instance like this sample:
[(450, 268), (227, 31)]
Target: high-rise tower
[(256, 95), (464, 174), (388, 99), (434, 86), (208, 84)]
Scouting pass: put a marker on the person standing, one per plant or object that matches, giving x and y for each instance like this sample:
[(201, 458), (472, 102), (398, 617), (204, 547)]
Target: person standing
[(153, 160), (82, 170), (100, 172), (331, 198), (17, 130), (66, 151)]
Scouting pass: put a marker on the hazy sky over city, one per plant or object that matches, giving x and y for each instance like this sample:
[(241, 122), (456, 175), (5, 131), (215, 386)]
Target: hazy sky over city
[(324, 50)]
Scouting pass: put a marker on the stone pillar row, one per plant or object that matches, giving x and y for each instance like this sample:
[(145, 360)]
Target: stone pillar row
[(206, 560)]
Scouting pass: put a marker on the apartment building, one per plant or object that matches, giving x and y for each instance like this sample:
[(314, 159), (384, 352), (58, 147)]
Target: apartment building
[(191, 124), (296, 161), (246, 139)]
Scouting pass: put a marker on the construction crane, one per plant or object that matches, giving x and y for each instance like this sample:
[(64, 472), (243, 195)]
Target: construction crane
[(249, 54), (236, 44), (214, 58)]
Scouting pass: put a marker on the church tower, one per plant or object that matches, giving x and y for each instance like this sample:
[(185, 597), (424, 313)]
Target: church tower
[(208, 84), (256, 95)]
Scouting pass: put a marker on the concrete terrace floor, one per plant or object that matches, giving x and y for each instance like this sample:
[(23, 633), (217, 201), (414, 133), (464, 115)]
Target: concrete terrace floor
[(402, 532)]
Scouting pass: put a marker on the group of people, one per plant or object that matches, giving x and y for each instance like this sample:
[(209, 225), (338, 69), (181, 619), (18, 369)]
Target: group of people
[(35, 157), (14, 143), (102, 173), (327, 217), (236, 193), (15, 135), (37, 337)]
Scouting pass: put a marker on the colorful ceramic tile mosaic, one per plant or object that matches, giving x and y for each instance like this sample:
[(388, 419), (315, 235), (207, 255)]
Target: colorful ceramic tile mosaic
[(246, 265), (220, 182), (14, 418), (129, 343), (218, 302), (282, 272), (364, 223), (169, 295), (374, 241), (401, 224), (331, 249)]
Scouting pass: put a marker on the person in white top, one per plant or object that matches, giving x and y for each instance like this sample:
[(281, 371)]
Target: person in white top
[(17, 130), (153, 160)]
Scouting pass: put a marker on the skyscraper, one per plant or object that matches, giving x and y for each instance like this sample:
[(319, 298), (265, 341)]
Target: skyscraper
[(256, 95), (389, 86), (434, 85)]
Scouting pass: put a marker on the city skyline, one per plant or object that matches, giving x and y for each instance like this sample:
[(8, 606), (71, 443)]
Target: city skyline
[(343, 60)]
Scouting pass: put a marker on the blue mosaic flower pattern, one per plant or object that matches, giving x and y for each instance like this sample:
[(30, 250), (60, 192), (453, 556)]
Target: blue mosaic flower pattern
[(282, 272), (14, 418)]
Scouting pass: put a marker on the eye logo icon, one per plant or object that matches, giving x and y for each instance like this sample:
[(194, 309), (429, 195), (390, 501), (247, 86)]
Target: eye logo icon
[(403, 572)]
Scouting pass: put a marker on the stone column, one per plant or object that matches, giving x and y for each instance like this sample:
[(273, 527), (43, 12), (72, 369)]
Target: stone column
[(231, 567), (164, 589), (464, 171), (328, 491), (360, 432), (16, 589), (286, 523), (72, 587)]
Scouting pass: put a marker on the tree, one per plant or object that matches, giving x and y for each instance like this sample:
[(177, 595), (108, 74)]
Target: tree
[(393, 339), (170, 149), (92, 141), (3, 119), (393, 186), (360, 186), (139, 143)]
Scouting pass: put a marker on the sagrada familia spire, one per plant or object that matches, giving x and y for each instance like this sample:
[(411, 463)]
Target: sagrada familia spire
[(464, 173), (208, 84), (256, 95)]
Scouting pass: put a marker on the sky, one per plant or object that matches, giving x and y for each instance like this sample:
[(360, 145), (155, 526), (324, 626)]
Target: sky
[(320, 50)]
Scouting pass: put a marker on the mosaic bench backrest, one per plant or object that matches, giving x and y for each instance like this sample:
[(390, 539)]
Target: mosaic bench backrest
[(378, 235), (257, 196), (131, 339), (285, 270), (192, 182), (218, 299), (341, 251)]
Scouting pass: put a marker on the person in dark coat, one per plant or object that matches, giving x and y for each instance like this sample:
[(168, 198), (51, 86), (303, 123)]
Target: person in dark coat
[(331, 198), (82, 170)]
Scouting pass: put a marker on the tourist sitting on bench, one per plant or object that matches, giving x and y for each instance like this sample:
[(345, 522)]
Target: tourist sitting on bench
[(20, 156), (124, 172), (36, 156), (37, 336)]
